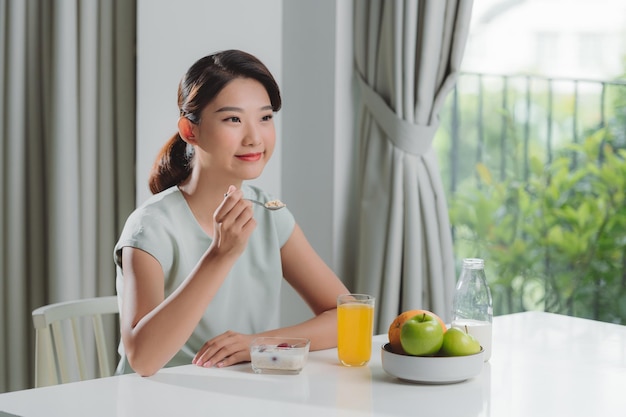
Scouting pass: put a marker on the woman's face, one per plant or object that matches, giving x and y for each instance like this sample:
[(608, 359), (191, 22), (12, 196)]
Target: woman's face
[(236, 135)]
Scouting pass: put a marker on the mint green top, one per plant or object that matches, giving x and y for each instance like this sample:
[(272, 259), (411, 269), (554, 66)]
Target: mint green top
[(249, 299)]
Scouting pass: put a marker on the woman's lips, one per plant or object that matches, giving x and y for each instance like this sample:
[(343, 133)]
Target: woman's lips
[(250, 157)]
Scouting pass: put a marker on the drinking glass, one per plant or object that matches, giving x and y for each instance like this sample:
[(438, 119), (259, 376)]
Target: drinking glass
[(355, 321)]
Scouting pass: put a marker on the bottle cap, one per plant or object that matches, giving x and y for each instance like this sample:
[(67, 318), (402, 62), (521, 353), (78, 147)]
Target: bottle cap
[(473, 263)]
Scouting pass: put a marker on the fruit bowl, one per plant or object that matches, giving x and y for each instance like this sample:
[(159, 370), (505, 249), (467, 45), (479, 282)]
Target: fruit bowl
[(431, 369)]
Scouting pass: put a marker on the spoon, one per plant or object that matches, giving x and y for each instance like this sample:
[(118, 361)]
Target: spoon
[(270, 205)]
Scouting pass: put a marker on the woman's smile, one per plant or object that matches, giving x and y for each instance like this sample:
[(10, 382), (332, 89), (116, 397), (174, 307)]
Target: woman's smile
[(250, 157)]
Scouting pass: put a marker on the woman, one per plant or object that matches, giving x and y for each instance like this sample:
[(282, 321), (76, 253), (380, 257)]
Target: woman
[(199, 267)]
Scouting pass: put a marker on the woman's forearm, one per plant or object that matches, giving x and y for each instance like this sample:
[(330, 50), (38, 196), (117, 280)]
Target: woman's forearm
[(321, 330)]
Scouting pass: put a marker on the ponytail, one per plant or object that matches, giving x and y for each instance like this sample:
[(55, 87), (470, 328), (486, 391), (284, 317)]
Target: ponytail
[(172, 165)]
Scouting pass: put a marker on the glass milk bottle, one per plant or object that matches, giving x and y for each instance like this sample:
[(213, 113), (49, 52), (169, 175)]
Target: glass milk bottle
[(472, 309)]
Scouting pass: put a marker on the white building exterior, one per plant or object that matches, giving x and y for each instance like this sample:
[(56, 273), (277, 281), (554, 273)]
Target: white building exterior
[(557, 38)]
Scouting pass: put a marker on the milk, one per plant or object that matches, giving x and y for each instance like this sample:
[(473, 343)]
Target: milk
[(481, 330)]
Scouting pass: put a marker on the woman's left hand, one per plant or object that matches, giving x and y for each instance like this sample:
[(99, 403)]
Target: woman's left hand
[(226, 349)]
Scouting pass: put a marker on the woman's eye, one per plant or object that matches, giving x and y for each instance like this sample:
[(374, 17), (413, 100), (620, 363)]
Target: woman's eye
[(267, 117), (233, 119)]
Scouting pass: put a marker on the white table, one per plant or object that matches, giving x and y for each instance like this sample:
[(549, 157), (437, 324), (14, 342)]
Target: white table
[(542, 365)]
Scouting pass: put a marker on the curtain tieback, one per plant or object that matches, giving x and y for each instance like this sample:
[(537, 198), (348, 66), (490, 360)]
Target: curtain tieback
[(411, 138)]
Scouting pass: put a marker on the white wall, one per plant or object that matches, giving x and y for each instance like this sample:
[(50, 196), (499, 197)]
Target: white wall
[(318, 125), (307, 44)]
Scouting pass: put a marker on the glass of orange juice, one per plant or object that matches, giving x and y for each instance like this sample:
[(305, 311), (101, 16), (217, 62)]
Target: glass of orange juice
[(355, 324)]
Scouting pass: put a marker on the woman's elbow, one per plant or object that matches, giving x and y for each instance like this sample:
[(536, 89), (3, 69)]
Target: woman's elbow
[(141, 365), (142, 361)]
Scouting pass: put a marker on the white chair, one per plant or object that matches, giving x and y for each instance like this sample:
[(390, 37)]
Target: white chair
[(58, 323)]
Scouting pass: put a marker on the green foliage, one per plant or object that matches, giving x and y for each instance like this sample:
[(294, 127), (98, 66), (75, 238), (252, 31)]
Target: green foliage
[(556, 240)]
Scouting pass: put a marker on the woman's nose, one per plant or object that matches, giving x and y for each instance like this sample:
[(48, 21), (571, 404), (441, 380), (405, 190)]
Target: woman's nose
[(252, 136)]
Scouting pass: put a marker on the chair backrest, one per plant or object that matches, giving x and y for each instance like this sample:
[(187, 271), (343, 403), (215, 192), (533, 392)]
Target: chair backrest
[(58, 323)]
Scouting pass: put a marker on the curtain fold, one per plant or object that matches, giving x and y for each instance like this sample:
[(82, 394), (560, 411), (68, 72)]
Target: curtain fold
[(407, 58), (67, 182)]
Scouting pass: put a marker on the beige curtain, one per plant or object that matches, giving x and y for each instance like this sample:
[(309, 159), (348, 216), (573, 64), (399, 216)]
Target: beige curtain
[(408, 54), (67, 125)]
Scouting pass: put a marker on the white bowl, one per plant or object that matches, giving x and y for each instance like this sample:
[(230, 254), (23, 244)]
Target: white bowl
[(431, 369), (279, 355)]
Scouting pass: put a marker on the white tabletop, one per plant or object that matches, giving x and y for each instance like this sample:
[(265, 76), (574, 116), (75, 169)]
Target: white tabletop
[(542, 365)]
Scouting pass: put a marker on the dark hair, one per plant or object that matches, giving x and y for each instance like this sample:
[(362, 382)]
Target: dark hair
[(200, 85)]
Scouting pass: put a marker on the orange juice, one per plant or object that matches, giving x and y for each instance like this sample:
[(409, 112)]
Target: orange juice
[(354, 331)]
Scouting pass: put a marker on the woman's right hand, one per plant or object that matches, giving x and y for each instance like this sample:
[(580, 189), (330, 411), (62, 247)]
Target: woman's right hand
[(233, 223)]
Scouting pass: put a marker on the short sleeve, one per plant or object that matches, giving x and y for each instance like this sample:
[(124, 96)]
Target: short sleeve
[(285, 223), (148, 231)]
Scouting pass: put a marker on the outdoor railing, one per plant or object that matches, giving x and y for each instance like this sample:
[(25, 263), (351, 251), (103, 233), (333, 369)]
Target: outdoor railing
[(535, 173)]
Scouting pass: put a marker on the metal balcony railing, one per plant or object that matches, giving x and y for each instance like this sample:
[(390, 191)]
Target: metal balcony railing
[(487, 117)]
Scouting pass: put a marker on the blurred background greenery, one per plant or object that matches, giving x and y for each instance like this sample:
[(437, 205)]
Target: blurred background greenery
[(535, 169)]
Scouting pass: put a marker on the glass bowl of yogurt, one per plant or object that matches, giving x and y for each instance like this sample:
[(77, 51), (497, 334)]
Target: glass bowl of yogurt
[(279, 355)]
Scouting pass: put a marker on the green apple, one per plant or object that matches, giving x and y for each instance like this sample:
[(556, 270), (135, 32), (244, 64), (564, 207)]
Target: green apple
[(421, 335), (456, 342)]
